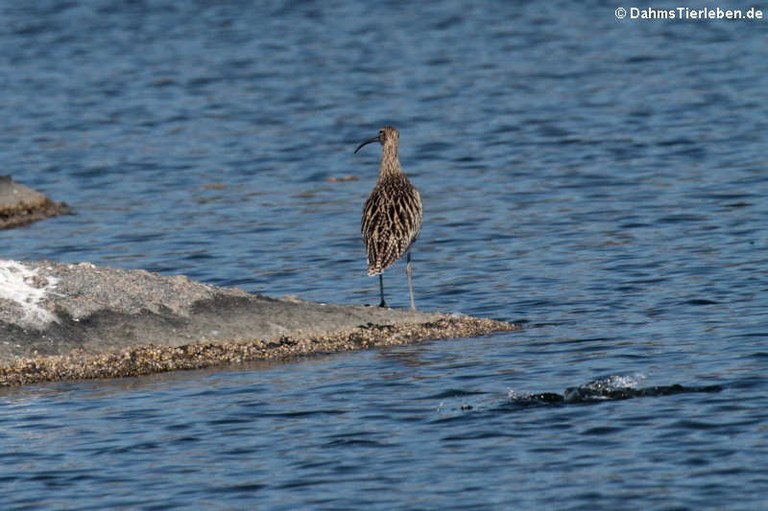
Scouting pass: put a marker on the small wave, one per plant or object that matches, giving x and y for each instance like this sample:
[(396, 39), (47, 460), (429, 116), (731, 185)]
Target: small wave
[(608, 388)]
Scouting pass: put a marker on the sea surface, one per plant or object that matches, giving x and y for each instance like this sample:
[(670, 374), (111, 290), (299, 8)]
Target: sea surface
[(603, 182)]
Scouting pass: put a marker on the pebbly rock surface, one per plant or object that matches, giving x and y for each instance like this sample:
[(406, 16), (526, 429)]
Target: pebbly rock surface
[(21, 205), (75, 321)]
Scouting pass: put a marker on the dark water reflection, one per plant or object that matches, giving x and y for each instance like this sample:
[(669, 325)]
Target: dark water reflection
[(603, 180)]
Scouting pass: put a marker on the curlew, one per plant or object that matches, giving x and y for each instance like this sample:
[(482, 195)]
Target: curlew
[(392, 214)]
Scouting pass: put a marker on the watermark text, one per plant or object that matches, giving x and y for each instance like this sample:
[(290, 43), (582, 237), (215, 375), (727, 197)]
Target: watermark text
[(689, 13)]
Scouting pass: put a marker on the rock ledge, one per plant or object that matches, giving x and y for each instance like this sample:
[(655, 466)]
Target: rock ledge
[(80, 321), (20, 205)]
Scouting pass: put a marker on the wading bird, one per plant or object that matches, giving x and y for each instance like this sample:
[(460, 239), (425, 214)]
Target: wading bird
[(392, 215)]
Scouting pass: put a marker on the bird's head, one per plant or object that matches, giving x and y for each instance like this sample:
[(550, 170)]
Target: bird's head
[(387, 135)]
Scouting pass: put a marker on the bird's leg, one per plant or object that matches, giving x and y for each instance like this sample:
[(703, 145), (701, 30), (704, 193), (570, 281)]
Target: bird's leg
[(409, 273), (381, 290)]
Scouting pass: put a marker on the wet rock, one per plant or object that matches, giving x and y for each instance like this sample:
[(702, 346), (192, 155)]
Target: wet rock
[(60, 321), (20, 205)]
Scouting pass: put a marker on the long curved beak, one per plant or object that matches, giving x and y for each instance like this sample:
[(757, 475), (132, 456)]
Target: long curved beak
[(369, 141)]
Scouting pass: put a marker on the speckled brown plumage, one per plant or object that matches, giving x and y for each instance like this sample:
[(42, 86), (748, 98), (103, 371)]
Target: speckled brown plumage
[(392, 215)]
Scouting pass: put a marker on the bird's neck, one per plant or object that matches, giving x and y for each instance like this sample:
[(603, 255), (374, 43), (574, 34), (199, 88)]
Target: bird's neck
[(390, 164)]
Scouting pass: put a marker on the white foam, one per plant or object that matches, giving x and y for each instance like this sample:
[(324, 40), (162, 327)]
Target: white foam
[(23, 285), (620, 381)]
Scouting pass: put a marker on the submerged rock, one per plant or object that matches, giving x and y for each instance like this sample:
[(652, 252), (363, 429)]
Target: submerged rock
[(21, 205), (60, 321)]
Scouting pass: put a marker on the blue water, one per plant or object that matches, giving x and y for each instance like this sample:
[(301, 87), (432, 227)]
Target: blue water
[(603, 181)]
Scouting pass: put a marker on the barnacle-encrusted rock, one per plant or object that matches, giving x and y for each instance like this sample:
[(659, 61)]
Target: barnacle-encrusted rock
[(75, 321), (21, 205)]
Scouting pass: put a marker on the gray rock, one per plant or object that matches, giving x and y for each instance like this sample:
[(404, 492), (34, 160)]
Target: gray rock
[(60, 321), (20, 205)]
